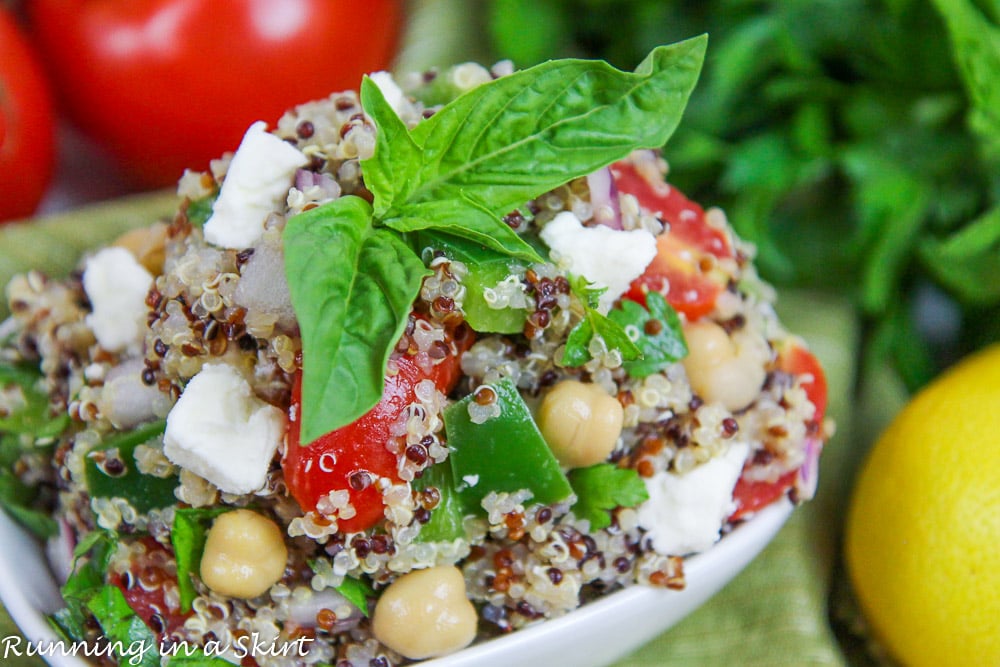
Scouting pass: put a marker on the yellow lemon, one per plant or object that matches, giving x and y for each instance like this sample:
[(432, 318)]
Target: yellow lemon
[(923, 530)]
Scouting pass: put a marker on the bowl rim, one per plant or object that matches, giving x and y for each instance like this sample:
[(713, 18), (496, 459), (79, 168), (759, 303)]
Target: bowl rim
[(705, 573)]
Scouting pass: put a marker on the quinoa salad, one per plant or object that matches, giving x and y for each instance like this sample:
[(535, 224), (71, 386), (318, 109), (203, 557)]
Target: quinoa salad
[(419, 366)]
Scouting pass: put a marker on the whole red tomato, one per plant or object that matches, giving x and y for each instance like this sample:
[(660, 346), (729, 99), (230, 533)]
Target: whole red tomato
[(170, 84), (27, 124)]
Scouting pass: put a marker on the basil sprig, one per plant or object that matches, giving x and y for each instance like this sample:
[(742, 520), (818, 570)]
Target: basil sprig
[(352, 273)]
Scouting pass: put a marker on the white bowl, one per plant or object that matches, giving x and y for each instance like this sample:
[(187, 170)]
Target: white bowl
[(597, 634)]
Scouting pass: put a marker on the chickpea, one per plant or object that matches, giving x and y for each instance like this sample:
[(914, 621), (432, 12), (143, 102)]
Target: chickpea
[(724, 369), (244, 555), (580, 422), (425, 613), (147, 245)]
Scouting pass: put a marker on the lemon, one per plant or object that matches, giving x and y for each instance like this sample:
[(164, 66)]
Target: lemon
[(922, 539)]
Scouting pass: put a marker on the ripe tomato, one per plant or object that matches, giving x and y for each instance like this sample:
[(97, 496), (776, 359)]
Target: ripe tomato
[(27, 124), (680, 264), (751, 496), (170, 84), (349, 457)]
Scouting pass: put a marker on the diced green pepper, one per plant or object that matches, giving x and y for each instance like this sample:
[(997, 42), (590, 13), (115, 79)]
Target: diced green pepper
[(505, 453), (446, 521), (143, 492)]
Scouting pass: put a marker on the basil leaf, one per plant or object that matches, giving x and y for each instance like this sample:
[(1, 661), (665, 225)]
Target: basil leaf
[(465, 218), (658, 332), (136, 643), (603, 487), (188, 537), (521, 135), (352, 286), (197, 658), (576, 351), (357, 592), (396, 156)]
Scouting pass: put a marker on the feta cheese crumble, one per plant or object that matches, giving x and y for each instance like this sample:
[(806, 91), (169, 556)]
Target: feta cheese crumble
[(116, 285), (256, 184), (220, 431), (607, 257), (390, 90), (685, 513)]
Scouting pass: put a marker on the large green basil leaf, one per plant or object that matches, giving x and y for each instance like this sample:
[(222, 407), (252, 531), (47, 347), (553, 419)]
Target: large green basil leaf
[(467, 219), (396, 156), (514, 138), (352, 286)]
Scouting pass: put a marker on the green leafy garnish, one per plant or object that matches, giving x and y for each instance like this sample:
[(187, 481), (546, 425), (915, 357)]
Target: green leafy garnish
[(123, 627), (33, 418), (190, 530), (504, 454), (659, 336), (357, 592), (577, 350), (352, 273), (90, 564), (143, 492), (21, 431), (16, 498), (603, 487), (352, 285)]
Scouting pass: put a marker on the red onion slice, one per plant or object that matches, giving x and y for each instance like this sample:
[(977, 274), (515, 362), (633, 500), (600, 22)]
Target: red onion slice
[(604, 198)]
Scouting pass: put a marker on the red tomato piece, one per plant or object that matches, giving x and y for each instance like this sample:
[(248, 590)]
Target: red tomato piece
[(150, 605), (751, 496), (27, 124), (682, 264), (349, 457), (170, 84)]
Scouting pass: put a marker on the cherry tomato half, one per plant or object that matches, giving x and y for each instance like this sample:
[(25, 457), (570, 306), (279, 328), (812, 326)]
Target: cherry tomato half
[(681, 265), (170, 84), (27, 124), (751, 496), (351, 457)]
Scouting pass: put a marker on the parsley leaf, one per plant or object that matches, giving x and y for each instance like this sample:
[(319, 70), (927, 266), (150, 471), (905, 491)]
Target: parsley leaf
[(603, 487), (123, 627), (188, 537), (577, 349), (657, 331), (357, 592)]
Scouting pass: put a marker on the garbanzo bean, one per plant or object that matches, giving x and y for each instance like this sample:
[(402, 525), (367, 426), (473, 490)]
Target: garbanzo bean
[(147, 245), (724, 369), (425, 613), (580, 422), (245, 554)]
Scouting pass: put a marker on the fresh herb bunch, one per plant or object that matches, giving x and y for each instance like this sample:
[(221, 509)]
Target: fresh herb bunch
[(856, 143)]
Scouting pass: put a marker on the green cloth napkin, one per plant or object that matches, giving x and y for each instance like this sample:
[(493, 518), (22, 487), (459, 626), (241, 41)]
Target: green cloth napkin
[(776, 612)]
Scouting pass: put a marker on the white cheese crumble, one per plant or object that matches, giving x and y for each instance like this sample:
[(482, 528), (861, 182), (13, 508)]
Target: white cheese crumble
[(685, 513), (116, 285), (391, 91), (220, 431), (610, 258), (256, 184)]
